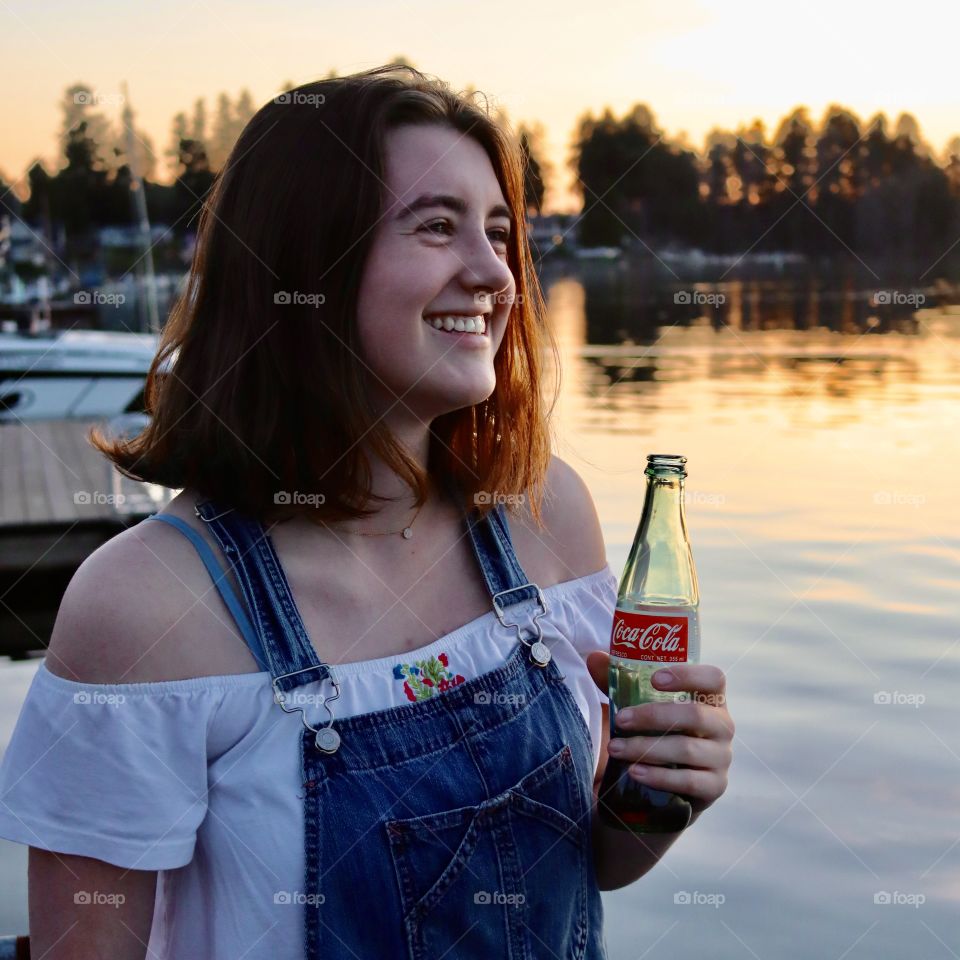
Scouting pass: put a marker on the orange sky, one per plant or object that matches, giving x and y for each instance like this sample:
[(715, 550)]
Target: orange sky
[(696, 65)]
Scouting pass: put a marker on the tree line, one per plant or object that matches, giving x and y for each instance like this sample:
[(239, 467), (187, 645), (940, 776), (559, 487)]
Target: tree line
[(92, 187), (838, 188)]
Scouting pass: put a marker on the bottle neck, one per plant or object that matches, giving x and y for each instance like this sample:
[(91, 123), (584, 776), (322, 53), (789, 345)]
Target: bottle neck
[(663, 515), (660, 569)]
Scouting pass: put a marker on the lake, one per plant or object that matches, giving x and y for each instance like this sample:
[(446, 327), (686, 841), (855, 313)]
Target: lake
[(819, 424)]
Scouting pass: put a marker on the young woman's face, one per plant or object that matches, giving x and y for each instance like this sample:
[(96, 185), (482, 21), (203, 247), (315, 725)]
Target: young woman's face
[(434, 261)]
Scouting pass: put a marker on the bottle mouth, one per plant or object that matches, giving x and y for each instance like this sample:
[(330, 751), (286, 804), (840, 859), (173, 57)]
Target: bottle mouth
[(666, 465)]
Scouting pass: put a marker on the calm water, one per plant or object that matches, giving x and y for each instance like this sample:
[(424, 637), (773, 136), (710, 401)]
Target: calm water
[(825, 522)]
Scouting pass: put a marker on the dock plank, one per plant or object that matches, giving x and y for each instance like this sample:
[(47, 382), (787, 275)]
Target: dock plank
[(11, 477), (44, 465), (89, 467), (56, 477), (33, 452)]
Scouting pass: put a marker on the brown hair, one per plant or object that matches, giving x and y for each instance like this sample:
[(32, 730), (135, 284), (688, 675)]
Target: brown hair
[(250, 396)]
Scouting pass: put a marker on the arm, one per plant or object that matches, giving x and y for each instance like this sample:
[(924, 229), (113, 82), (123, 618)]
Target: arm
[(620, 857), (81, 908)]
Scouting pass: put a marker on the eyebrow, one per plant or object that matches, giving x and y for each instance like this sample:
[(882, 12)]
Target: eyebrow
[(428, 200)]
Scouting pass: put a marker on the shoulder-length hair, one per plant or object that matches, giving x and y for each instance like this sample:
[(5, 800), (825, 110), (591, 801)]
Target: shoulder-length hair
[(257, 398)]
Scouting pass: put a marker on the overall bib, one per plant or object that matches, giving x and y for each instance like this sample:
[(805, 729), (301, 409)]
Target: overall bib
[(456, 826)]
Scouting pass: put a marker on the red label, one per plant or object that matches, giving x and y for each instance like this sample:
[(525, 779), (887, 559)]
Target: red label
[(651, 637)]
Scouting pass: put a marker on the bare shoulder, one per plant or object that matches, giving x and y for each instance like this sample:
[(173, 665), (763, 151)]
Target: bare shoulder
[(142, 608), (571, 543)]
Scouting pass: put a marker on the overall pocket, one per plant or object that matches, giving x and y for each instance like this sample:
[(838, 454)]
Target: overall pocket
[(503, 878)]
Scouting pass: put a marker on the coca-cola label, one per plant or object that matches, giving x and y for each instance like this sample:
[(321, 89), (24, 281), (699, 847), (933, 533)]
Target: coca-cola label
[(651, 637)]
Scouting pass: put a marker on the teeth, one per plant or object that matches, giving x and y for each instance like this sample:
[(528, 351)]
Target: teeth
[(460, 324)]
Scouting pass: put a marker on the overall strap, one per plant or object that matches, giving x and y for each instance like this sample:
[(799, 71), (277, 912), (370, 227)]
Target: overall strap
[(506, 582), (247, 546), (219, 577)]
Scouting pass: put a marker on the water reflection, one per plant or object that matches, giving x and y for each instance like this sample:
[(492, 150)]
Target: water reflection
[(824, 518), (635, 301)]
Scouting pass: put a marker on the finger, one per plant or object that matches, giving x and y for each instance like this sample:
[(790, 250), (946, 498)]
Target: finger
[(697, 784), (685, 751), (598, 665), (692, 718), (702, 677)]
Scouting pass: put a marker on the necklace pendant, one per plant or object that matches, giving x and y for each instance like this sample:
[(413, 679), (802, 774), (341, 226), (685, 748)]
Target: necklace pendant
[(407, 533)]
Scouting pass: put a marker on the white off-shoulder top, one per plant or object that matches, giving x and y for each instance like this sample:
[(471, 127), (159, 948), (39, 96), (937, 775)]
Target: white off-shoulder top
[(200, 778)]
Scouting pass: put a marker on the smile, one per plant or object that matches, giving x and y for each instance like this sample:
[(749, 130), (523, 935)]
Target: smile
[(456, 324)]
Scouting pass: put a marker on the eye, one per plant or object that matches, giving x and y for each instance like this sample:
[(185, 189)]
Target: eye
[(501, 234), (436, 223)]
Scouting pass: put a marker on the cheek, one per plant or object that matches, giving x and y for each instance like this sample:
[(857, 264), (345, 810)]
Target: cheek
[(386, 344)]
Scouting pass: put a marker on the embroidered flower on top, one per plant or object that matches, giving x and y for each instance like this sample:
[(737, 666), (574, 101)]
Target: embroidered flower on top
[(425, 678)]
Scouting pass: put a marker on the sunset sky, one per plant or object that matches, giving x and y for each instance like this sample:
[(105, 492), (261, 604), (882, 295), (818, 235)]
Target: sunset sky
[(695, 64)]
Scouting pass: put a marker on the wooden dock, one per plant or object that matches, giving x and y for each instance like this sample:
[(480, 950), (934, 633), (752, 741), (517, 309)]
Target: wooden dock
[(60, 499)]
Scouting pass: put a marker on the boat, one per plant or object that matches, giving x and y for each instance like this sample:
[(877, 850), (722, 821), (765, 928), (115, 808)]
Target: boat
[(66, 374)]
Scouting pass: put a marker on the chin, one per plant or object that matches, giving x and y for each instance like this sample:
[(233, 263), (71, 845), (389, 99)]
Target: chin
[(460, 399)]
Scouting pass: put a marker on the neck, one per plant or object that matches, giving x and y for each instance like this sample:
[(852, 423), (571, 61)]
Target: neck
[(398, 510)]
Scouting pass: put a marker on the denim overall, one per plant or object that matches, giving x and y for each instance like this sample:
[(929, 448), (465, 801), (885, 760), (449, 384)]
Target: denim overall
[(456, 826)]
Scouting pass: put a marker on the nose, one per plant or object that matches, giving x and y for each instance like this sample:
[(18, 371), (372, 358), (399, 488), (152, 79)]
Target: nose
[(485, 270)]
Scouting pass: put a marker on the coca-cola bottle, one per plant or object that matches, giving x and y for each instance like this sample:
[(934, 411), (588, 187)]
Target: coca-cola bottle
[(656, 623)]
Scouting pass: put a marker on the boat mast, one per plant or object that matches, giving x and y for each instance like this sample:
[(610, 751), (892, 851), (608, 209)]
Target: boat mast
[(143, 221)]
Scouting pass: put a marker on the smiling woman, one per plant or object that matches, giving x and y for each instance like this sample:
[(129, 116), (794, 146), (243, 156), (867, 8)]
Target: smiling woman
[(321, 249), (386, 693)]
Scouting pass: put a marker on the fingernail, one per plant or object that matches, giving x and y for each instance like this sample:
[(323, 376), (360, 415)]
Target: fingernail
[(638, 770), (625, 715), (663, 676), (615, 746)]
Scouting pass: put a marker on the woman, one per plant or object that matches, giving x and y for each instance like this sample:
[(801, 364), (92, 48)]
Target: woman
[(243, 699)]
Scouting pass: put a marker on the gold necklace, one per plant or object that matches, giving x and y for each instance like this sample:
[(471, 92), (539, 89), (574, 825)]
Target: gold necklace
[(406, 532)]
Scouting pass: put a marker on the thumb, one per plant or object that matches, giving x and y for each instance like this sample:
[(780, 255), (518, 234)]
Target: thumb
[(598, 665)]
